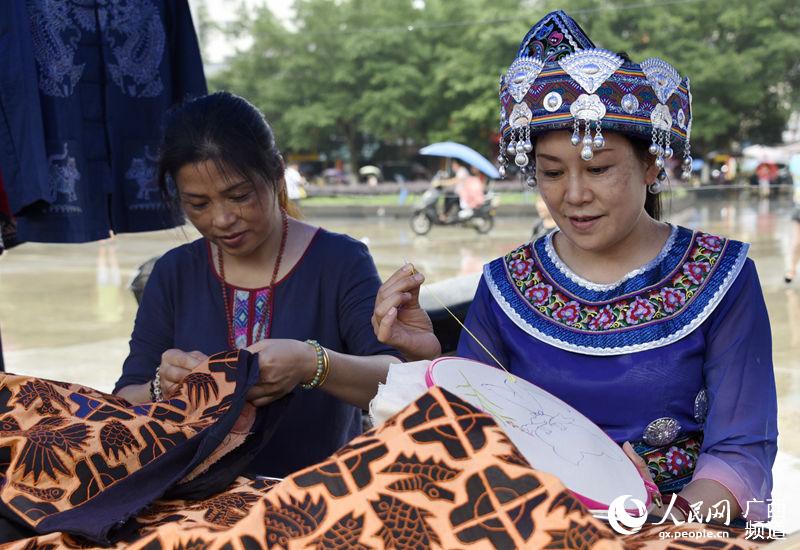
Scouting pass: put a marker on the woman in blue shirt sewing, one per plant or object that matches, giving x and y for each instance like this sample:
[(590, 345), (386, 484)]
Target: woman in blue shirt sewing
[(299, 296)]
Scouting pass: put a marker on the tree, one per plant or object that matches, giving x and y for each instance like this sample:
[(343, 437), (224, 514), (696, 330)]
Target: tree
[(743, 59), (332, 80), (394, 71), (412, 71)]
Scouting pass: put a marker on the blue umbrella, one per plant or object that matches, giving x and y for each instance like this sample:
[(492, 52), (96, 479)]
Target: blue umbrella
[(463, 153)]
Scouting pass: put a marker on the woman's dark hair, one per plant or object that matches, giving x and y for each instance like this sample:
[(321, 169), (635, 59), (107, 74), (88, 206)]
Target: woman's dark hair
[(652, 202), (227, 130)]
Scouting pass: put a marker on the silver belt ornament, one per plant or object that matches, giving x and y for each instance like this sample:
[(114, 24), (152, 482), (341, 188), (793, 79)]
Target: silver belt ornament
[(701, 406), (661, 431)]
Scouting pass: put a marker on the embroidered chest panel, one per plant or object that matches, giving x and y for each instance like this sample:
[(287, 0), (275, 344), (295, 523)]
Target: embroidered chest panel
[(657, 306), (251, 315)]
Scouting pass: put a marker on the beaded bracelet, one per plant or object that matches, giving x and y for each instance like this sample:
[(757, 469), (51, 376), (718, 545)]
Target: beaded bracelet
[(155, 387), (322, 367)]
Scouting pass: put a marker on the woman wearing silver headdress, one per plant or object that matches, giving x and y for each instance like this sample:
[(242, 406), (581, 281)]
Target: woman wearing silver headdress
[(657, 333)]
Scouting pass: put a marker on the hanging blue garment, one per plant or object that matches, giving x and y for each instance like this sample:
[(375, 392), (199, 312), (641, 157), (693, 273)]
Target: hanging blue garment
[(82, 96)]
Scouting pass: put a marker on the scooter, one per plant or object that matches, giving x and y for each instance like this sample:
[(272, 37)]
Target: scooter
[(428, 212)]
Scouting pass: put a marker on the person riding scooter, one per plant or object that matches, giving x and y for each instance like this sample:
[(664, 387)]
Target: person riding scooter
[(471, 193), (464, 190), (455, 200)]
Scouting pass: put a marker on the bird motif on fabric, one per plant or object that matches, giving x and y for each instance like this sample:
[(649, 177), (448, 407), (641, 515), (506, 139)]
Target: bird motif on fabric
[(293, 519), (42, 441), (404, 525), (43, 391), (50, 494), (422, 476), (345, 533), (199, 387)]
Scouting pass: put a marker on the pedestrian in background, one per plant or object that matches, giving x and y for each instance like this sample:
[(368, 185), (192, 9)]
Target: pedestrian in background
[(794, 250)]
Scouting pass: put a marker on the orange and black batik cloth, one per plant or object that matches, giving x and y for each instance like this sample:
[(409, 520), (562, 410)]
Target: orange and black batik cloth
[(83, 470), (79, 461), (439, 474)]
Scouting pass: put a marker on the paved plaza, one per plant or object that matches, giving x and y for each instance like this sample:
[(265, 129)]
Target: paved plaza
[(66, 311)]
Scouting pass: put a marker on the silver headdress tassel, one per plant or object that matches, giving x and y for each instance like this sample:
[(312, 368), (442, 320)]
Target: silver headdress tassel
[(687, 148), (590, 69), (664, 80), (520, 76)]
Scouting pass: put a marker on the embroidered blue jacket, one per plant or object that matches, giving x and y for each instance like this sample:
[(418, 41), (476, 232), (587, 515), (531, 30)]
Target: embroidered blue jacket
[(83, 88), (684, 338)]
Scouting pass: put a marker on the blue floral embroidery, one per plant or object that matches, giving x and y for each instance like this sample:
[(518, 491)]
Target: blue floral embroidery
[(655, 308)]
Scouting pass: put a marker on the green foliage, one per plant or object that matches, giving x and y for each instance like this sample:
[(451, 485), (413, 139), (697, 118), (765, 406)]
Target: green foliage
[(742, 57), (406, 72)]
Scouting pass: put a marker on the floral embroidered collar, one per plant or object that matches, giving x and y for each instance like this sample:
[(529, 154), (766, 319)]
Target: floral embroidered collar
[(655, 305)]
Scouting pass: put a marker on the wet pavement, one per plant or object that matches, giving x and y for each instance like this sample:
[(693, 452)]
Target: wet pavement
[(66, 311)]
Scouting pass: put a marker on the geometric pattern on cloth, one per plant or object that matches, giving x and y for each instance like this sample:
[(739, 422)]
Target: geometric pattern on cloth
[(251, 315), (439, 474)]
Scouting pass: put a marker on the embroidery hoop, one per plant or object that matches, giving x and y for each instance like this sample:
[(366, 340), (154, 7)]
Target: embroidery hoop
[(589, 463)]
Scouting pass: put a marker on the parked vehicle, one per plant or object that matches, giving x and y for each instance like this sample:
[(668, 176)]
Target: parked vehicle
[(403, 171), (777, 175)]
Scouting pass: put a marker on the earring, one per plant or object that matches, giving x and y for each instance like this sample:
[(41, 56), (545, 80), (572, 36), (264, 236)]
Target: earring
[(530, 174), (658, 186)]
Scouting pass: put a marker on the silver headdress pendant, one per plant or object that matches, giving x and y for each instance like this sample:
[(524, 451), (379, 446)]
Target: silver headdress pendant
[(590, 69), (520, 76), (687, 148), (588, 109), (664, 80)]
